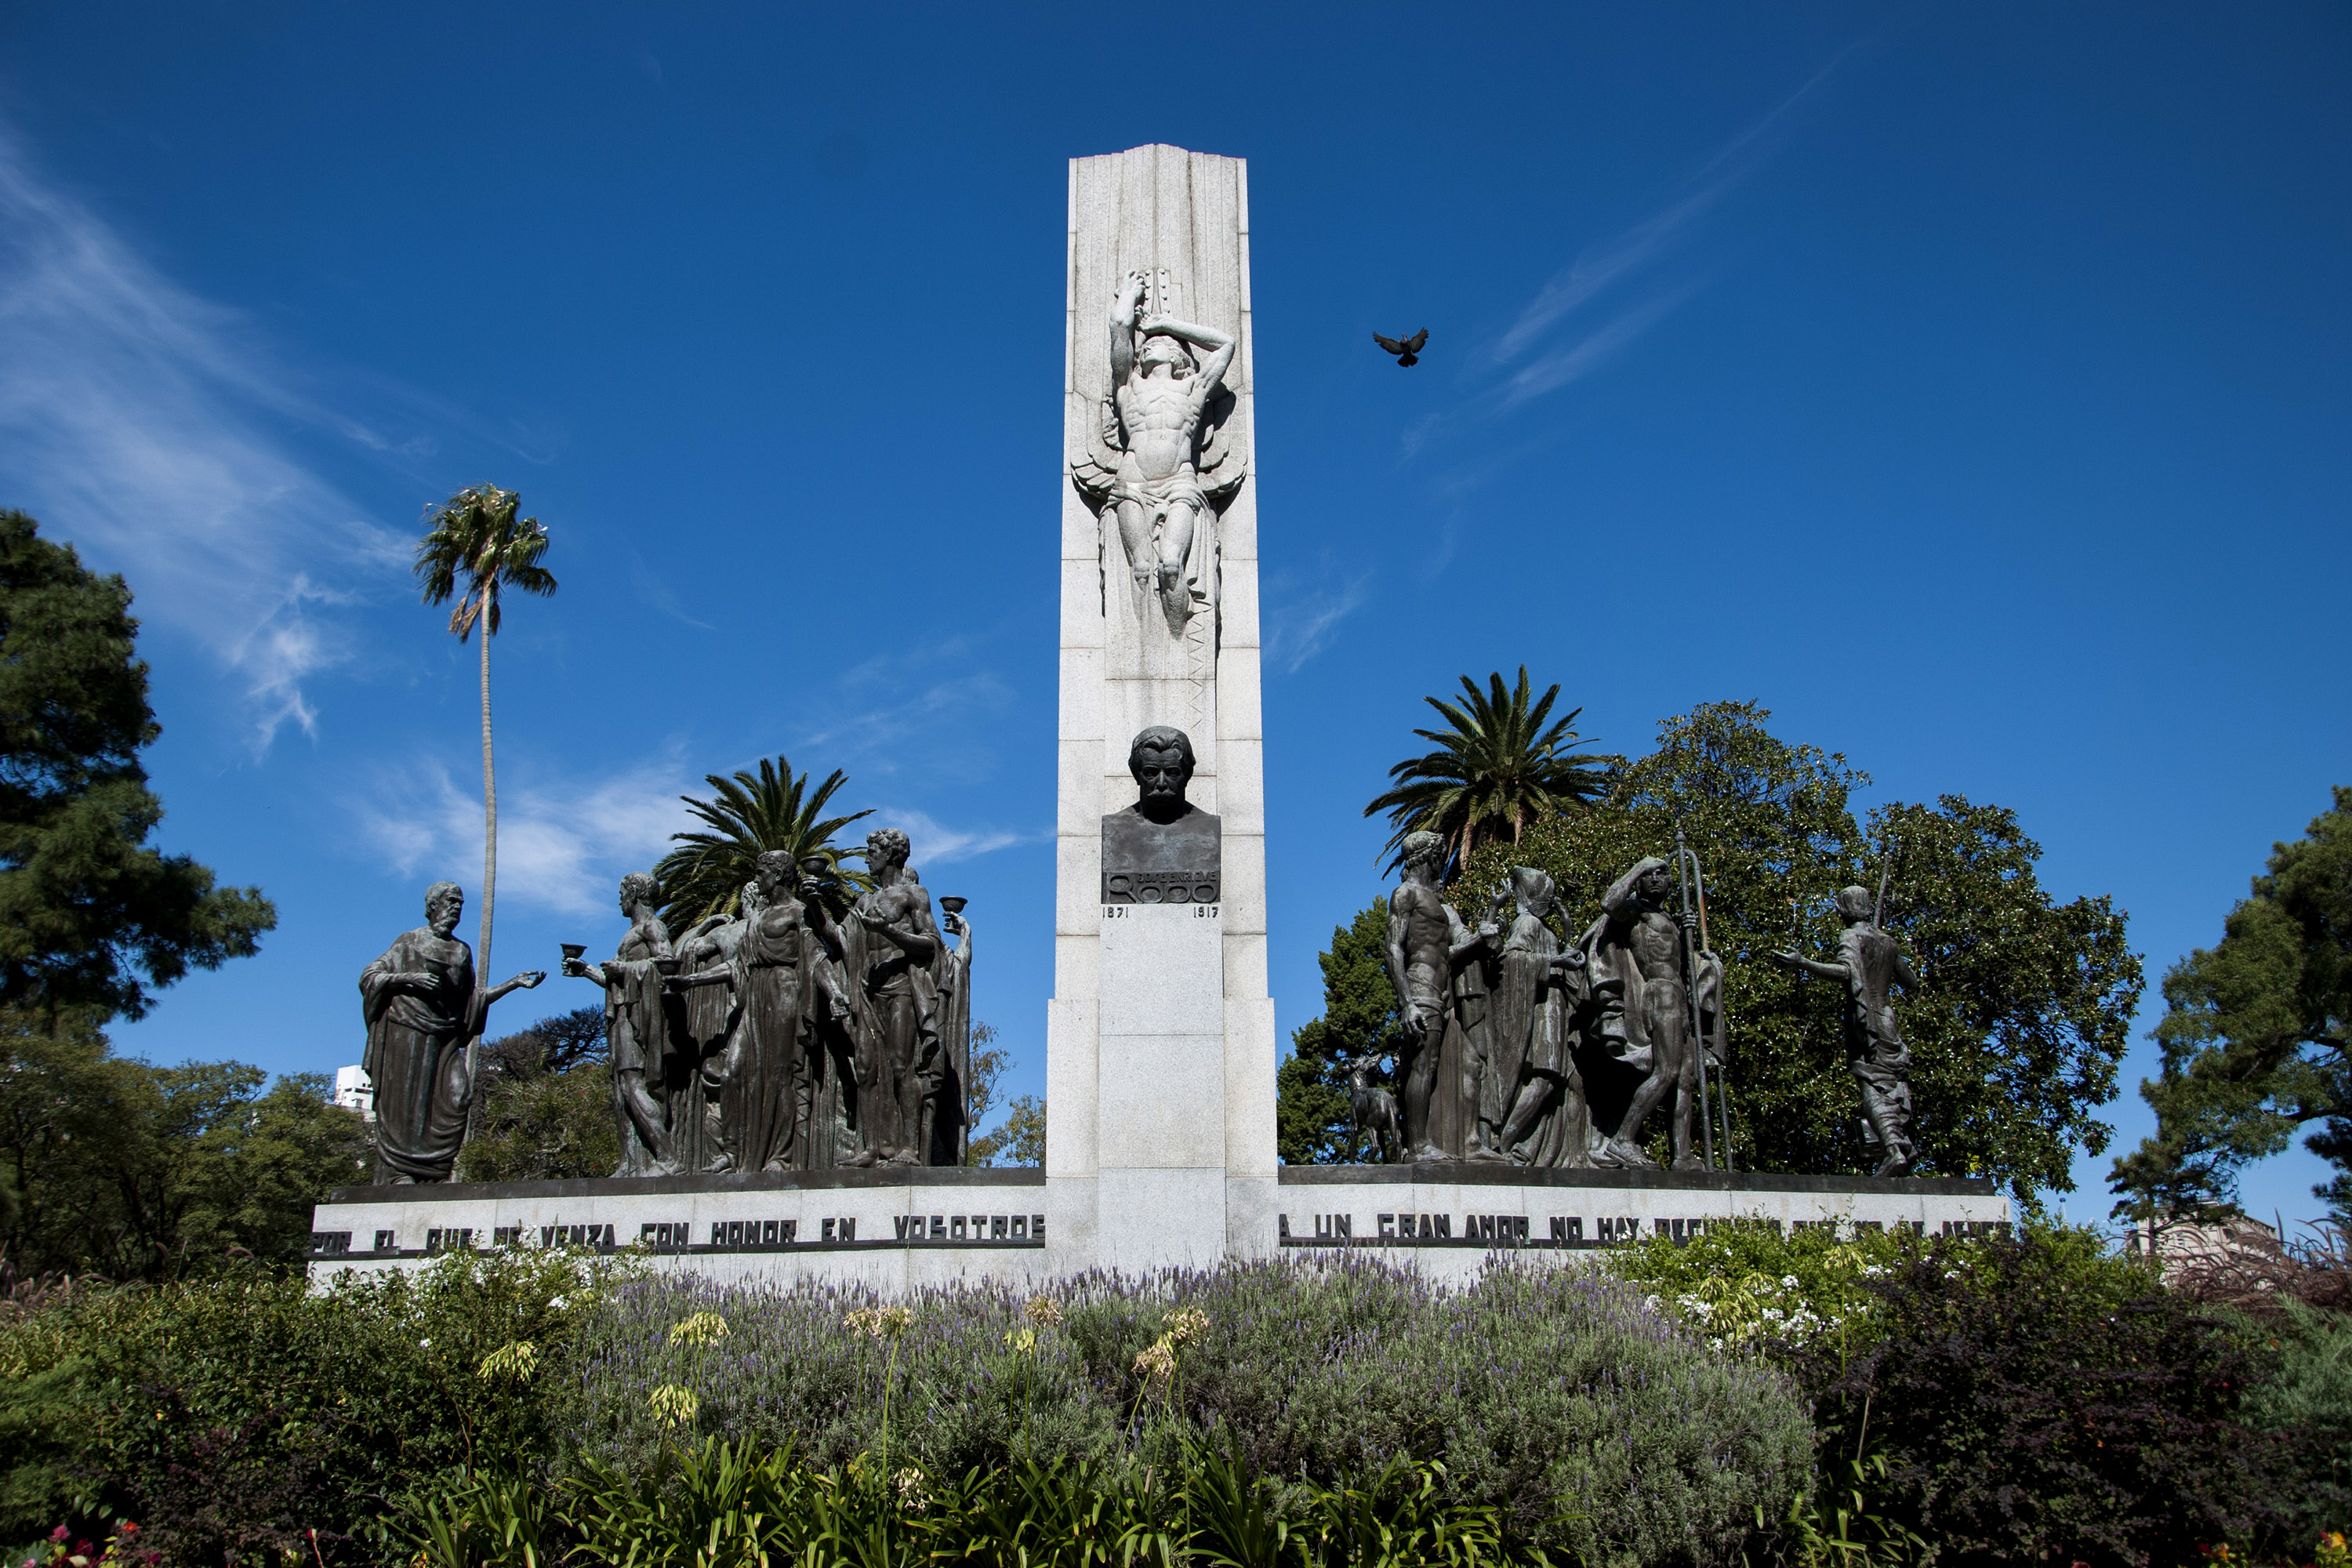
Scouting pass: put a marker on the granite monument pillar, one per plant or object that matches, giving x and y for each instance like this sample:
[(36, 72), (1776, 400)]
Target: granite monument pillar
[(1161, 1041)]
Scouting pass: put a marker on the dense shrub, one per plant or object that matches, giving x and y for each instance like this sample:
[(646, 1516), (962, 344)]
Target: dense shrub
[(2039, 1399), (2002, 1400), (1752, 1285), (1596, 1426), (2304, 1400), (231, 1418)]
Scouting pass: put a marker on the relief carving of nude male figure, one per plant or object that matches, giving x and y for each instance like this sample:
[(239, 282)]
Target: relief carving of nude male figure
[(1160, 396)]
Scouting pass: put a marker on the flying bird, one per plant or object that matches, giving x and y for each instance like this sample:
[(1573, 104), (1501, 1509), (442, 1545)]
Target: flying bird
[(1408, 351)]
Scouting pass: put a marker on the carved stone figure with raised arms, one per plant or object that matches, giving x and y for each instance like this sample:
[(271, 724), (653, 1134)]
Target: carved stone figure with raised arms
[(1160, 399), (1869, 965), (422, 1011)]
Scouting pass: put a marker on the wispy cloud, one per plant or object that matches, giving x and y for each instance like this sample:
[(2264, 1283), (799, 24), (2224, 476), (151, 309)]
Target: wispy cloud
[(888, 736), (562, 845), (936, 843), (565, 844), (1300, 629), (138, 421), (657, 593), (1575, 361), (1600, 265), (1557, 326)]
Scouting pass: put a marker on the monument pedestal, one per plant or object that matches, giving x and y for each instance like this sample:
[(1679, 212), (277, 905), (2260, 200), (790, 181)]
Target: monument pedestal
[(1160, 1063)]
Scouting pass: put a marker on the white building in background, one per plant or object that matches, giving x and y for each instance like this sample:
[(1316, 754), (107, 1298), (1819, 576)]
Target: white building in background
[(2182, 1247), (353, 1092)]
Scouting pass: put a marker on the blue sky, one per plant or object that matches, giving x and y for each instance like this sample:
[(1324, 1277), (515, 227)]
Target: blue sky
[(1967, 384)]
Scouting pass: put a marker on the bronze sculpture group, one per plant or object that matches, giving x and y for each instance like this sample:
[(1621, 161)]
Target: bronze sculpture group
[(804, 1032), (1517, 1051), (797, 1032)]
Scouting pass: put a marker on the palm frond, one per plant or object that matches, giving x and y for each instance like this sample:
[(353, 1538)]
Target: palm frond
[(1498, 768), (749, 815), (477, 547)]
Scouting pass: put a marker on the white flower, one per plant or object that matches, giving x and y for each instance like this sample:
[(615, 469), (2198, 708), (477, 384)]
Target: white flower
[(1788, 1281), (1872, 1271), (424, 1345), (557, 1303)]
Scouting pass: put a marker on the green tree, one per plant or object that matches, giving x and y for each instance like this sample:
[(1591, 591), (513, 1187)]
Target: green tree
[(986, 1071), (774, 810), (265, 1163), (545, 1127), (2014, 1039), (1019, 1140), (2027, 1004), (476, 548), (91, 917), (1497, 769), (555, 1044), (143, 1173), (2254, 1038), (1314, 1119)]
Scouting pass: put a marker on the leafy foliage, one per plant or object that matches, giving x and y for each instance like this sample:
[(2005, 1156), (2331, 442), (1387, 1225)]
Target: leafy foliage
[(748, 816), (1497, 768), (545, 1127), (91, 917), (145, 1173), (1753, 1285), (725, 1502), (1590, 1425), (2027, 1004), (1314, 1119), (476, 548), (1019, 1139), (2040, 1399), (554, 1043), (2304, 1398), (2256, 1037), (982, 1077), (233, 1417)]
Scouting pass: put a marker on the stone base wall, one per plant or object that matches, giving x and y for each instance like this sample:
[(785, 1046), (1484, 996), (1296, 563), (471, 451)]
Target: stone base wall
[(1445, 1220), (894, 1229), (900, 1230)]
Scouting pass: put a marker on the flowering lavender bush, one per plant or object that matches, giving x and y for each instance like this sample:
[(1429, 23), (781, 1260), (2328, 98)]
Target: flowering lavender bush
[(1597, 1426)]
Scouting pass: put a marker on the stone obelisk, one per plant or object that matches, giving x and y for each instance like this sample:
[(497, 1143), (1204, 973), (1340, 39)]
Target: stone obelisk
[(1160, 1040)]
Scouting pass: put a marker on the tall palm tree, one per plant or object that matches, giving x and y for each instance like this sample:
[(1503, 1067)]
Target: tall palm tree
[(774, 810), (1497, 769), (476, 548)]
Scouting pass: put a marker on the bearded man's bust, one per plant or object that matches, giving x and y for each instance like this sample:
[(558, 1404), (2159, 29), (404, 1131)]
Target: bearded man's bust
[(1162, 850)]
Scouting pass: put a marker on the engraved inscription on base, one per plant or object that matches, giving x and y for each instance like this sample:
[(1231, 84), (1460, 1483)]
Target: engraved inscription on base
[(1160, 887)]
